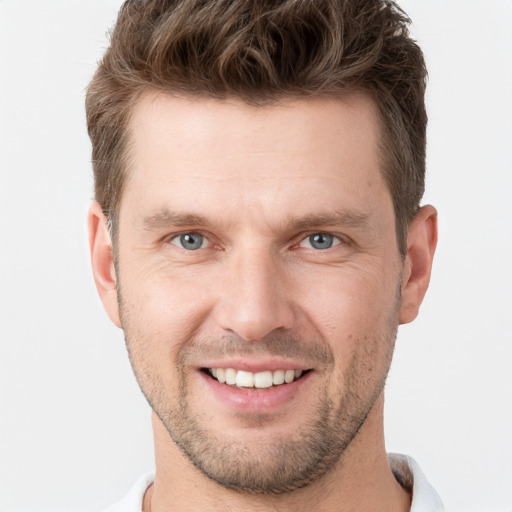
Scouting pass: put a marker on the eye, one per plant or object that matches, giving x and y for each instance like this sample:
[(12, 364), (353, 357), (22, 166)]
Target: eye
[(320, 241), (190, 241)]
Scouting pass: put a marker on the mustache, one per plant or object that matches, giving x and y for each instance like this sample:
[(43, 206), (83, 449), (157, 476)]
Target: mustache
[(284, 345)]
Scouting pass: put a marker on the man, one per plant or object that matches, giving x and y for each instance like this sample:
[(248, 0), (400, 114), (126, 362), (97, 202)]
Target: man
[(258, 236)]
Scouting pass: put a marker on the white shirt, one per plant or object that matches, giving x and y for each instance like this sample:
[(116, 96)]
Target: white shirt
[(405, 469)]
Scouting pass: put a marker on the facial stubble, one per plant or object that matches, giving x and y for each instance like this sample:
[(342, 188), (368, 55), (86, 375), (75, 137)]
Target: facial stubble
[(279, 463)]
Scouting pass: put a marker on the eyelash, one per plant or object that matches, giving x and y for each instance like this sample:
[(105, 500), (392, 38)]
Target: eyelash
[(335, 239), (196, 233)]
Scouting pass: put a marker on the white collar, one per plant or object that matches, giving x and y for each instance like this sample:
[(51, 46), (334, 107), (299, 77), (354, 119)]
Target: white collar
[(405, 468)]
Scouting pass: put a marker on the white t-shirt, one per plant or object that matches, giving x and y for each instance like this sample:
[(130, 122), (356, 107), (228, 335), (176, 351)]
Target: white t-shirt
[(405, 469)]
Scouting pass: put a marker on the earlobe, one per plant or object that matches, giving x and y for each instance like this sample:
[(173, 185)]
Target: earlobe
[(421, 244), (102, 261)]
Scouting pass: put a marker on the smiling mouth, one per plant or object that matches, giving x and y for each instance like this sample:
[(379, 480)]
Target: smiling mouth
[(259, 380)]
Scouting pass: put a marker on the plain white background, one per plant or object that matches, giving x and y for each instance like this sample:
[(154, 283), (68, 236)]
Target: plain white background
[(75, 429)]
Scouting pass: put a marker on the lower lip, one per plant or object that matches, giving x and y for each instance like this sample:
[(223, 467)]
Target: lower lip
[(254, 399)]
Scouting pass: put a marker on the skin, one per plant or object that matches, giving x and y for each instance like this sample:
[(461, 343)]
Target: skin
[(256, 183)]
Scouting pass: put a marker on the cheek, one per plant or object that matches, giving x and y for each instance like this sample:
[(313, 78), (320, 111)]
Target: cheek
[(161, 312), (355, 311), (349, 302)]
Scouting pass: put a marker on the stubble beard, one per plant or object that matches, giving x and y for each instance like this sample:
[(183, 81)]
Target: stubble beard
[(286, 462), (280, 463)]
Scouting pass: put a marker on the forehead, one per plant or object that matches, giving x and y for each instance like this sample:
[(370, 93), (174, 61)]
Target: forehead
[(204, 153), (221, 127)]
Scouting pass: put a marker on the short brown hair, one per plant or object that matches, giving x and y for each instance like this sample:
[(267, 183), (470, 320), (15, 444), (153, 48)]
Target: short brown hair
[(263, 51)]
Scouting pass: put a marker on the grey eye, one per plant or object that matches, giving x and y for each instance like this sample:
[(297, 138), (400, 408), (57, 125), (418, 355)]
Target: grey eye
[(320, 241), (189, 241)]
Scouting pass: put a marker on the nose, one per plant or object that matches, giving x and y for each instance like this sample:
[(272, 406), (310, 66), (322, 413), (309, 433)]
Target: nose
[(255, 296)]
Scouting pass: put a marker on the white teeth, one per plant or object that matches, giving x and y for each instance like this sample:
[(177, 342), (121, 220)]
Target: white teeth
[(278, 377), (244, 379), (289, 376), (265, 379), (221, 374), (230, 376)]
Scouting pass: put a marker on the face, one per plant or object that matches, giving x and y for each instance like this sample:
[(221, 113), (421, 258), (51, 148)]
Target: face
[(259, 281)]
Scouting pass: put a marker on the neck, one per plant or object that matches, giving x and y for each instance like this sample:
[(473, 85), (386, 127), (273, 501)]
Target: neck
[(361, 480)]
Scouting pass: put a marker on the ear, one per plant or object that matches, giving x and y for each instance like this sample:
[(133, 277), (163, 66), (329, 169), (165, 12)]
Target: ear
[(421, 245), (103, 261)]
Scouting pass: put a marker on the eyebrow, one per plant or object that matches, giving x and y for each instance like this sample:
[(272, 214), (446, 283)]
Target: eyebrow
[(347, 218), (167, 218)]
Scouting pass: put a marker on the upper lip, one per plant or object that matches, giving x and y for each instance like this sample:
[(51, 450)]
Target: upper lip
[(256, 366)]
